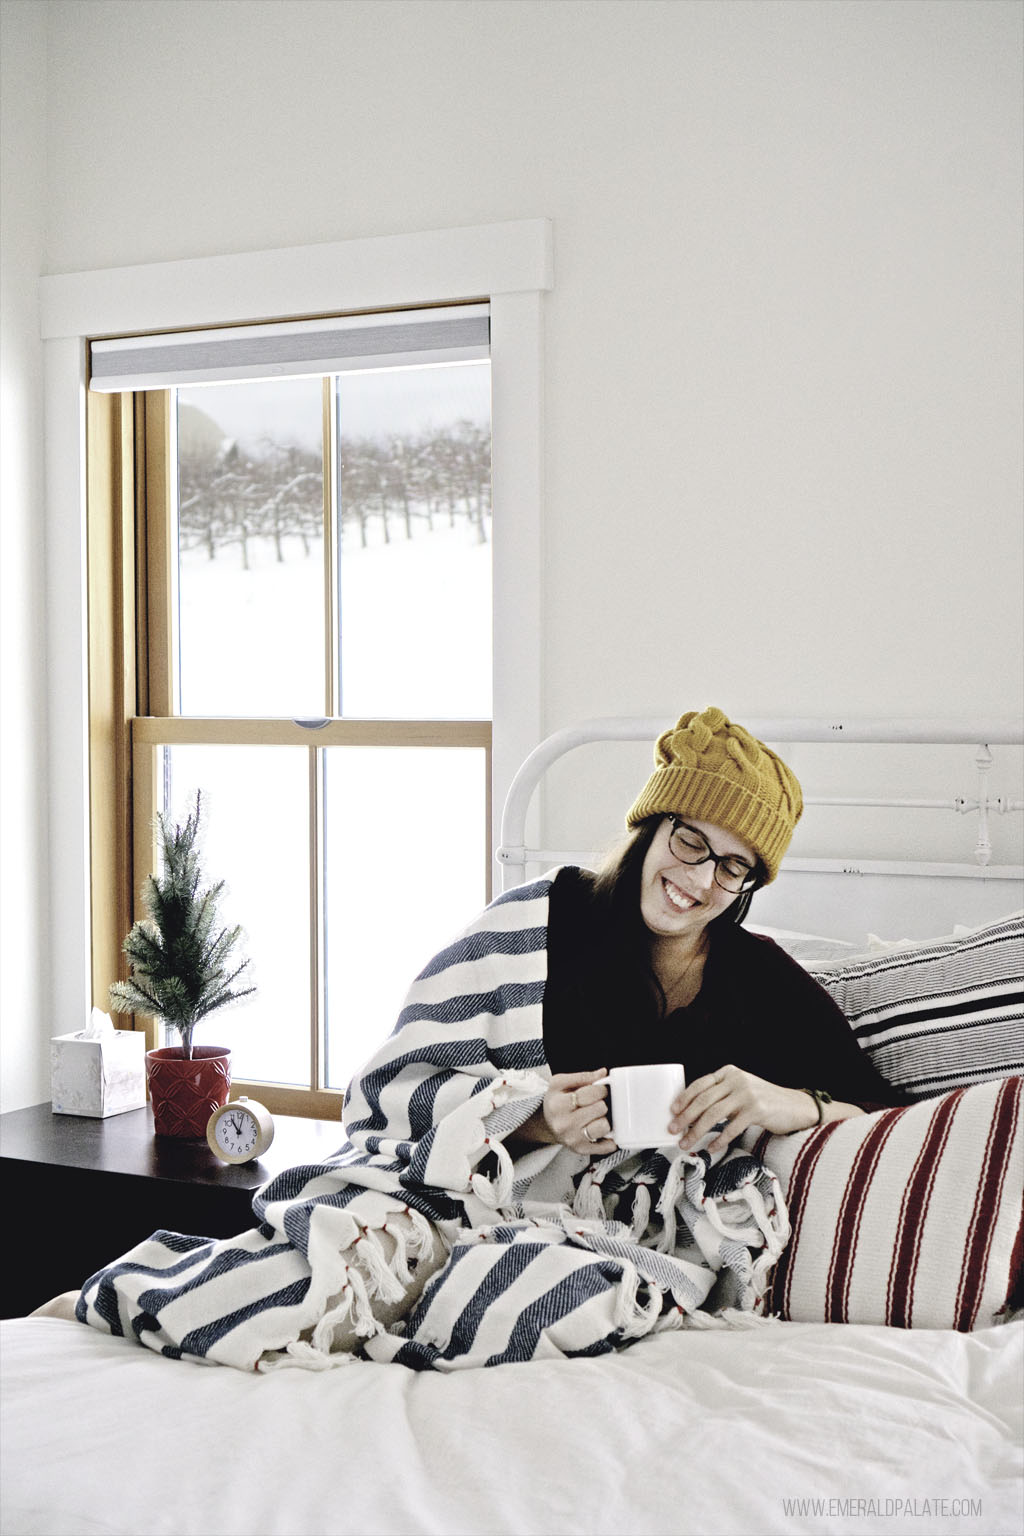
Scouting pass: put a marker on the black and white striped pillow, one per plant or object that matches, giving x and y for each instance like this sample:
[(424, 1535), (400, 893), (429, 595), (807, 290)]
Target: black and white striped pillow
[(943, 1014)]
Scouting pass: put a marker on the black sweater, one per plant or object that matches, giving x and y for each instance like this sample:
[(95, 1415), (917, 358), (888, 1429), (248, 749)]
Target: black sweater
[(756, 1008)]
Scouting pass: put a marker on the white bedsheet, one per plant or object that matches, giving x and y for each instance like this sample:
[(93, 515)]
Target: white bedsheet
[(697, 1432)]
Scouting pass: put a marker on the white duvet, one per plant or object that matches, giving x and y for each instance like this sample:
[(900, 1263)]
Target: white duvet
[(789, 1427)]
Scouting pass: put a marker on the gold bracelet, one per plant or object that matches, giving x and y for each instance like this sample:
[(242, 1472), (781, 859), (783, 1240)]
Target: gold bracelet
[(821, 1098)]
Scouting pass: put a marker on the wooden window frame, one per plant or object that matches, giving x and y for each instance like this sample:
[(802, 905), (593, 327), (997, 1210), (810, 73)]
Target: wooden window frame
[(132, 706)]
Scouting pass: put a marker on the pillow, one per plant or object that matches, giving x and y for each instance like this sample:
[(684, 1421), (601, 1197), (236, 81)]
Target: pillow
[(810, 949), (910, 1217), (877, 946), (960, 931), (941, 1014)]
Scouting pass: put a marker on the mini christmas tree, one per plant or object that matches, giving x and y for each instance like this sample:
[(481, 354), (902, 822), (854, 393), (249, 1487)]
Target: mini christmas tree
[(179, 964)]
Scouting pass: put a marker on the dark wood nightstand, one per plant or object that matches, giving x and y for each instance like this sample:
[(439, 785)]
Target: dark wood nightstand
[(81, 1192)]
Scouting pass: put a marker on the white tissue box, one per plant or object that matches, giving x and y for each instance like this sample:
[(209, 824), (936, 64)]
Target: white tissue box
[(98, 1077)]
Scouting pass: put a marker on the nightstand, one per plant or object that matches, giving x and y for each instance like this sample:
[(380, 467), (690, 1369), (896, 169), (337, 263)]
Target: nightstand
[(80, 1192)]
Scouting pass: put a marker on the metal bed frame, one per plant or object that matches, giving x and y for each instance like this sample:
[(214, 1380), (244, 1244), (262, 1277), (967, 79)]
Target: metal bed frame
[(514, 854)]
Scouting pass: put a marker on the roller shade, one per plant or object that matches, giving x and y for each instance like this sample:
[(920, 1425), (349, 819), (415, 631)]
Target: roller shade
[(405, 339)]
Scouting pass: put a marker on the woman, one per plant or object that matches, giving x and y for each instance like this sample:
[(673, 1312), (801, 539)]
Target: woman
[(648, 962), (471, 1166)]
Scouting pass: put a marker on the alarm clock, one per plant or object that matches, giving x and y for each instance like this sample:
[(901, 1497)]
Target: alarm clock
[(240, 1131)]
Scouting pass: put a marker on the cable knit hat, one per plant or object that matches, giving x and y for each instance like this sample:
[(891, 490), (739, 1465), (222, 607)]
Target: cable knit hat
[(708, 768)]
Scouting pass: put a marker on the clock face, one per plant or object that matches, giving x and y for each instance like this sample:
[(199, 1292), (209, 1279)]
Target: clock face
[(237, 1132)]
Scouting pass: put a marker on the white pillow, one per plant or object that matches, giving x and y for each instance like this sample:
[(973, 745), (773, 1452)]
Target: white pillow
[(876, 945), (810, 949)]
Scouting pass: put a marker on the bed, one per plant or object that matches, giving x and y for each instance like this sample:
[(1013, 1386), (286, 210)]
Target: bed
[(882, 1390)]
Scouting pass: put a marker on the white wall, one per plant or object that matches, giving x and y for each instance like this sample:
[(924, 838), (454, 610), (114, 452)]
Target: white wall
[(782, 389), (787, 245), (24, 989)]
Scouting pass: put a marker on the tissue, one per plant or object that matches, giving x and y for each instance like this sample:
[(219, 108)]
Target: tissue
[(99, 1027), (99, 1070)]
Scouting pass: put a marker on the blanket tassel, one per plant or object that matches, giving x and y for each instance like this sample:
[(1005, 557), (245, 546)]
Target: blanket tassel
[(633, 1317), (494, 1192), (728, 1317)]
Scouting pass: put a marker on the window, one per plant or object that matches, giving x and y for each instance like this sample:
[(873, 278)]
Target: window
[(302, 519)]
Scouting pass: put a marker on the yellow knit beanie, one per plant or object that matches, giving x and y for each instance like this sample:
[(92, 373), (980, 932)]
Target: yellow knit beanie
[(708, 768)]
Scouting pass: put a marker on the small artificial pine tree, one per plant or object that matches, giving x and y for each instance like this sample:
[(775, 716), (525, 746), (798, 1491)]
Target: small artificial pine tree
[(179, 967)]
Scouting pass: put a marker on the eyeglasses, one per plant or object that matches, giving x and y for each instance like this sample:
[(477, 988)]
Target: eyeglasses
[(732, 873)]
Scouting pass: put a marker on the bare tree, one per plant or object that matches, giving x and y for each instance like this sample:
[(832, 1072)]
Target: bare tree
[(227, 496)]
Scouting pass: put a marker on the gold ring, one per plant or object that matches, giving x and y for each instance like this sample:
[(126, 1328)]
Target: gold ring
[(575, 1101)]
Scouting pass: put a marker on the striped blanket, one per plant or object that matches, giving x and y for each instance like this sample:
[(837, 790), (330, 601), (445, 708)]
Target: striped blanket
[(424, 1240)]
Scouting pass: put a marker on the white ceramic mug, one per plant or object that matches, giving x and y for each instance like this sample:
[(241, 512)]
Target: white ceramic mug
[(641, 1103)]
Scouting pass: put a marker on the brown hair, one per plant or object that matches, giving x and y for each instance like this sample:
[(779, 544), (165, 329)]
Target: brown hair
[(616, 892)]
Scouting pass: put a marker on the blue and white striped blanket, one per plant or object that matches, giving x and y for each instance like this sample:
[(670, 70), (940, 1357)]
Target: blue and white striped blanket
[(423, 1240)]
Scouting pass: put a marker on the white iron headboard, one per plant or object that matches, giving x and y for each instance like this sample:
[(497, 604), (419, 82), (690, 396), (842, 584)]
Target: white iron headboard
[(940, 893)]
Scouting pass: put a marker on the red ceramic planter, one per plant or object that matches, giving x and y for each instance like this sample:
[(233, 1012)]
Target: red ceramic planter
[(185, 1093)]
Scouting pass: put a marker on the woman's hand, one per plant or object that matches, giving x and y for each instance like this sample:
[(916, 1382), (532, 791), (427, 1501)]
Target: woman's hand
[(576, 1112), (740, 1099)]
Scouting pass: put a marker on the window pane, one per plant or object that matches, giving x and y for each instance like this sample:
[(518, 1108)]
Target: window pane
[(250, 549), (405, 868), (255, 837), (415, 562)]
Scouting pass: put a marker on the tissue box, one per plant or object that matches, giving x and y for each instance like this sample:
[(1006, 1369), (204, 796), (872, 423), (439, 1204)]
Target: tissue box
[(98, 1077)]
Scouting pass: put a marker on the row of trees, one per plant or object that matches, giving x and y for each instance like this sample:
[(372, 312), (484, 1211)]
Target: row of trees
[(401, 484)]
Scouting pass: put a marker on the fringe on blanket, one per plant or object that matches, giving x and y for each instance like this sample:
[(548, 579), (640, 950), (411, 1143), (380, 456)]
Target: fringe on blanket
[(572, 1280), (729, 1317)]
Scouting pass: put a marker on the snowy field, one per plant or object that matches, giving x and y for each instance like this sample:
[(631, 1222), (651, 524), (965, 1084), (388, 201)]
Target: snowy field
[(409, 824), (415, 622)]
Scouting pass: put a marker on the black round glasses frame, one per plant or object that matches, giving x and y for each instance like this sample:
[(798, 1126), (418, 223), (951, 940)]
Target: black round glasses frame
[(684, 851)]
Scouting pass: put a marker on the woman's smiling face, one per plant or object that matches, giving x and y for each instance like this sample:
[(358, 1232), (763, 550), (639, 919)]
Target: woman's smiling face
[(678, 900)]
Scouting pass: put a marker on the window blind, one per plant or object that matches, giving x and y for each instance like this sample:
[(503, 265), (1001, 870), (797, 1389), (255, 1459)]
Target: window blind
[(404, 339)]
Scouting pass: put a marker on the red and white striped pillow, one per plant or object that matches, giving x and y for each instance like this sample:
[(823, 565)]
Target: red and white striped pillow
[(911, 1217)]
